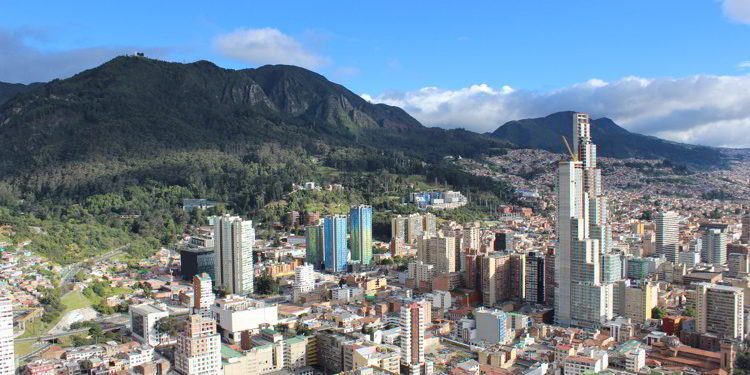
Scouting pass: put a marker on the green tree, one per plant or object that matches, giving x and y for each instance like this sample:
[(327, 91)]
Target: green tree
[(658, 313)]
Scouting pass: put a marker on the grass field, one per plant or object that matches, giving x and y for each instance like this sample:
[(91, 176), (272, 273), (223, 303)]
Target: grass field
[(71, 300)]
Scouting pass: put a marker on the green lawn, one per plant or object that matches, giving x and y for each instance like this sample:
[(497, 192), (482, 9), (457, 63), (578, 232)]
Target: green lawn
[(71, 300)]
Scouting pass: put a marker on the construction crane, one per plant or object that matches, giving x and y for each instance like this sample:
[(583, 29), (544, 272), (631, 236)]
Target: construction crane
[(573, 155)]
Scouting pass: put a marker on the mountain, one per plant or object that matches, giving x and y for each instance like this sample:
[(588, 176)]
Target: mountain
[(611, 139), (135, 119), (8, 90)]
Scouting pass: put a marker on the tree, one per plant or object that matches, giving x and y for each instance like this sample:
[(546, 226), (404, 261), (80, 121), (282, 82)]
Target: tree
[(658, 313), (266, 285), (690, 312)]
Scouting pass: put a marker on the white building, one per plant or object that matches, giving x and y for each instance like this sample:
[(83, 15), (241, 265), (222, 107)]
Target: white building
[(7, 351), (492, 326), (593, 361), (583, 235), (233, 254), (304, 281), (140, 355), (635, 360), (198, 350), (667, 235), (719, 310), (235, 314), (143, 320)]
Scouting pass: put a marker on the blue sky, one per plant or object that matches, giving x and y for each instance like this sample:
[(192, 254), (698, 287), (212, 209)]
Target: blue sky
[(429, 57)]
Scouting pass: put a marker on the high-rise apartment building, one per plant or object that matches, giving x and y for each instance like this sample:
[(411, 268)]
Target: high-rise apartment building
[(612, 267), (233, 252), (714, 241), (582, 234), (535, 277), (7, 350), (745, 236), (413, 323), (360, 220), (634, 300), (438, 251), (429, 224), (739, 264), (398, 228), (503, 277), (314, 245), (198, 350), (472, 235), (414, 227), (304, 280), (667, 235), (203, 295), (719, 310), (335, 250)]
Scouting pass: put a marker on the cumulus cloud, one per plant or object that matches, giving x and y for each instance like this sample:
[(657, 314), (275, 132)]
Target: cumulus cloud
[(710, 110), (23, 63), (737, 10), (267, 46)]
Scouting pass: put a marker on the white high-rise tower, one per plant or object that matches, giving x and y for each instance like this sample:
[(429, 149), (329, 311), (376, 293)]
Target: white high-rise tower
[(233, 254), (7, 351), (667, 235), (583, 235)]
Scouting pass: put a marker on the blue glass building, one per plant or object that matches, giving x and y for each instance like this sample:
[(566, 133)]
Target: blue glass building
[(335, 250), (360, 221)]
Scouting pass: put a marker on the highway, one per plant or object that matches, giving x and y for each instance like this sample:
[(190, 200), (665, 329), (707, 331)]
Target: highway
[(71, 270)]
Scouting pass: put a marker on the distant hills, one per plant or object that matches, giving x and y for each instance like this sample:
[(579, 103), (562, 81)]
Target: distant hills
[(611, 139), (9, 90)]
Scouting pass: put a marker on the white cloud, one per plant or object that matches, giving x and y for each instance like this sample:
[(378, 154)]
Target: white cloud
[(712, 110), (737, 10), (744, 65), (21, 62), (267, 46)]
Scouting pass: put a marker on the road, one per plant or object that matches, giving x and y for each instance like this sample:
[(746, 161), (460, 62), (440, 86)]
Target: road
[(72, 269), (105, 327)]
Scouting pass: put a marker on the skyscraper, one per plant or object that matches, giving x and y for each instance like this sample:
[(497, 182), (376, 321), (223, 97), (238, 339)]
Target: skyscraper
[(198, 350), (7, 350), (719, 310), (360, 220), (535, 278), (667, 235), (745, 237), (203, 295), (413, 324), (582, 234), (714, 244), (315, 243), (304, 280), (234, 240), (335, 251)]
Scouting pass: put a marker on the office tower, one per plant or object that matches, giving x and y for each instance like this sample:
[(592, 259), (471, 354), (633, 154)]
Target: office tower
[(503, 241), (634, 300), (549, 277), (429, 222), (304, 280), (493, 326), (143, 320), (667, 235), (472, 270), (335, 251), (413, 324), (7, 350), (414, 228), (398, 228), (535, 278), (714, 239), (745, 237), (472, 235), (582, 234), (719, 310), (314, 243), (196, 260), (203, 295), (739, 264), (360, 219), (233, 264), (198, 350), (438, 251), (611, 267)]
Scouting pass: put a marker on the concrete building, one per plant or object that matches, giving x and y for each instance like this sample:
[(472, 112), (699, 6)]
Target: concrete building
[(719, 310), (503, 277), (422, 275), (535, 278), (233, 252), (438, 251), (203, 295), (472, 235), (7, 350), (304, 281), (583, 235), (414, 227), (413, 323), (198, 350), (634, 300), (739, 264), (236, 314), (493, 327), (383, 357), (595, 361), (143, 320), (745, 236), (714, 249), (667, 235)]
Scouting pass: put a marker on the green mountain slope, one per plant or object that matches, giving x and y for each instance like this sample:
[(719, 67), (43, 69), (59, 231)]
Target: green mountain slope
[(612, 140), (9, 90)]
